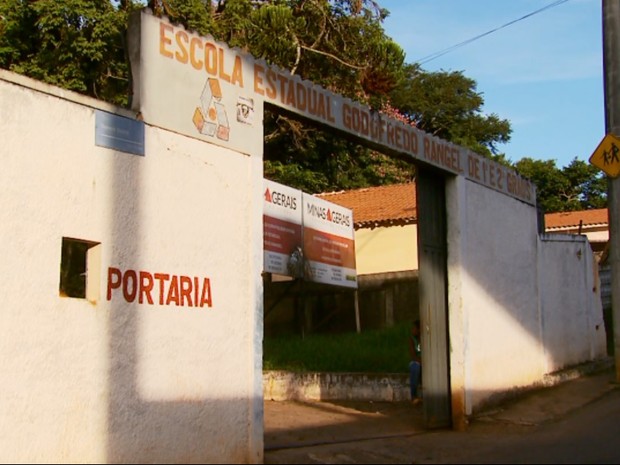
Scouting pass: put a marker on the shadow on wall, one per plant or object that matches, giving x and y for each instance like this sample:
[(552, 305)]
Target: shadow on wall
[(159, 412), (529, 301)]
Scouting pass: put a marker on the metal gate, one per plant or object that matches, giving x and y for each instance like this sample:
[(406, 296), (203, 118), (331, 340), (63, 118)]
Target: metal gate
[(432, 253)]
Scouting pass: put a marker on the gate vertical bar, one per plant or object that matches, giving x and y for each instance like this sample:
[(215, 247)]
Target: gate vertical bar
[(432, 253)]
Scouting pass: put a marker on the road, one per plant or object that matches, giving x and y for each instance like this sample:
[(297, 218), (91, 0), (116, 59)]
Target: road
[(381, 433)]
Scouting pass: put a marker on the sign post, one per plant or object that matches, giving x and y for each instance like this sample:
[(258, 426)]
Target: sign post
[(611, 66)]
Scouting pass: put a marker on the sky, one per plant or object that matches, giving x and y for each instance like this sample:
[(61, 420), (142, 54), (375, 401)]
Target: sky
[(544, 73)]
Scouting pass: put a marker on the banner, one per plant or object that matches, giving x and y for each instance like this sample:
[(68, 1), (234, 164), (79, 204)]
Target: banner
[(329, 243), (307, 237), (282, 235)]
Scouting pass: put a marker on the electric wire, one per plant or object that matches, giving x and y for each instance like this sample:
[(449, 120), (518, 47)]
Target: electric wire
[(440, 53)]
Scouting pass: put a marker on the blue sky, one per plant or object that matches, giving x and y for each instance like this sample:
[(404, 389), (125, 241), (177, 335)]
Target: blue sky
[(544, 73)]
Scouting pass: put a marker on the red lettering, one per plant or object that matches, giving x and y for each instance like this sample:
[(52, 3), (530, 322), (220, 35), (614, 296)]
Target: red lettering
[(330, 117), (162, 278), (398, 132), (130, 276), (390, 134), (474, 167), (206, 294), (346, 116), (321, 112), (114, 280), (146, 286), (186, 291), (178, 289), (173, 291), (365, 126)]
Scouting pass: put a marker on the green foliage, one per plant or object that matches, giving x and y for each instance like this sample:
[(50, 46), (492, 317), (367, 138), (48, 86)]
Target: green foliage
[(379, 351), (578, 186), (447, 105), (75, 44), (340, 44), (195, 15), (316, 161)]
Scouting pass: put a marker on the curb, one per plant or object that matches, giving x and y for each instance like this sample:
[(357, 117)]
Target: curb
[(378, 387)]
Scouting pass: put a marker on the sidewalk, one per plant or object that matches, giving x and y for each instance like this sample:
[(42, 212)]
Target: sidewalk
[(394, 432)]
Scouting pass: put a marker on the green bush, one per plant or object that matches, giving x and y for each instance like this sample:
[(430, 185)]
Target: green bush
[(379, 351)]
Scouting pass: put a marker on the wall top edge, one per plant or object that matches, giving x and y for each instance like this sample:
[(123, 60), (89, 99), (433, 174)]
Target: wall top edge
[(562, 237), (63, 94)]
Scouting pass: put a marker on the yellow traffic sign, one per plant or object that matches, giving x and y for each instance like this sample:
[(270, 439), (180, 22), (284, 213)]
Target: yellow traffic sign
[(607, 156)]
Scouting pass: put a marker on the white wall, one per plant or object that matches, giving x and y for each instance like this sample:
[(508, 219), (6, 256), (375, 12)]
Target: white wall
[(571, 310), (519, 307), (113, 381)]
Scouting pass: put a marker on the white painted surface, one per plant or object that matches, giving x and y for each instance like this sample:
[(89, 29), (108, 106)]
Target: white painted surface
[(116, 381), (500, 294), (520, 307), (571, 309), (123, 382)]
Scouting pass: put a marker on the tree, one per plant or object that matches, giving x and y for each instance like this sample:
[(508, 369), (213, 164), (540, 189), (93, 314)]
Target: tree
[(589, 185), (338, 44), (578, 186), (447, 105), (74, 44)]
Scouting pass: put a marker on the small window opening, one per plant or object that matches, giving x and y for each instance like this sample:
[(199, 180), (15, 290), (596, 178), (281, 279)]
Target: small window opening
[(79, 269)]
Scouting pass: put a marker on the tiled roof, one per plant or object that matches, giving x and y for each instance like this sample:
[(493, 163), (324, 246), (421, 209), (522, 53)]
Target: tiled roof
[(396, 204), (565, 220), (378, 206)]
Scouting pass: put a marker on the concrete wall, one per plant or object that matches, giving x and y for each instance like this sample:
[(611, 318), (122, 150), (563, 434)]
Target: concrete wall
[(573, 328), (111, 379), (514, 301), (379, 387), (375, 250)]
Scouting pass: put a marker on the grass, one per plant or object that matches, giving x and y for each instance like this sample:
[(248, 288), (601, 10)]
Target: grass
[(379, 351)]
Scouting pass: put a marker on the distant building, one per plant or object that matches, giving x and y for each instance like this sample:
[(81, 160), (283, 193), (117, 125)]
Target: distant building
[(386, 251), (592, 223), (385, 220)]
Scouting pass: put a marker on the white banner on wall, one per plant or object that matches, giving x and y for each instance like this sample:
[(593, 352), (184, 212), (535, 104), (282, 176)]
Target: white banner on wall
[(282, 235), (329, 242), (307, 237)]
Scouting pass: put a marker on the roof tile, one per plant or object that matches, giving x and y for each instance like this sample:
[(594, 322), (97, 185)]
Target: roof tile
[(568, 219), (378, 206), (396, 204)]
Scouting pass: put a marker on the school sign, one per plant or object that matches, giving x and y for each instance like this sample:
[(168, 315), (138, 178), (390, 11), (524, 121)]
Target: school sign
[(204, 89)]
